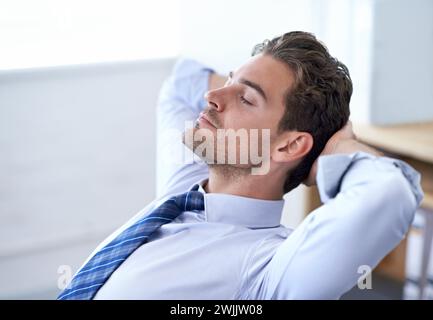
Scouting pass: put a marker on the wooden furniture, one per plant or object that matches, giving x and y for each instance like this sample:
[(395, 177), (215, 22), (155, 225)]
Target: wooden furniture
[(412, 143)]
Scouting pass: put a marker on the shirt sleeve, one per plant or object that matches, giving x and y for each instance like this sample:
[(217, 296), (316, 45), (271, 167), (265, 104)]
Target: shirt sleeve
[(180, 101), (369, 204)]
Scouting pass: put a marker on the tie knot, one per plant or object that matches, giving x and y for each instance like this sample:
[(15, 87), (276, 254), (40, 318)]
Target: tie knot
[(191, 200)]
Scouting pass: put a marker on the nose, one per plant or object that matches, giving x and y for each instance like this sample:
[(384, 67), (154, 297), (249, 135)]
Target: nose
[(215, 99)]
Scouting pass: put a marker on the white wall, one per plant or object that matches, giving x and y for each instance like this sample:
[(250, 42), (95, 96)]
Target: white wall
[(388, 47), (223, 33), (77, 160), (402, 82), (347, 29), (65, 32)]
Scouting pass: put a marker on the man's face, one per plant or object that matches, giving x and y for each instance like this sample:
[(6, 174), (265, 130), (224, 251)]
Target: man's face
[(252, 98)]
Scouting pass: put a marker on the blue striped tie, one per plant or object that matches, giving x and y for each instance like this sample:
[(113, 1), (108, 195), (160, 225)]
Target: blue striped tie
[(96, 272)]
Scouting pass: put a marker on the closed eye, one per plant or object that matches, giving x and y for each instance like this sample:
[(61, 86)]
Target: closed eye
[(245, 101)]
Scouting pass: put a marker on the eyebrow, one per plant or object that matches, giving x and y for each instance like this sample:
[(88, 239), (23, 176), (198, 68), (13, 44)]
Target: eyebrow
[(251, 84), (255, 86)]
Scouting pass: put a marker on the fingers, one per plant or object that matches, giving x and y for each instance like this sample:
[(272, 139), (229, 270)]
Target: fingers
[(345, 133)]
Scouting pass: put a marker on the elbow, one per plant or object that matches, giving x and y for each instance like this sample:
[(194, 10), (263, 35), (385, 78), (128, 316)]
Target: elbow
[(403, 197)]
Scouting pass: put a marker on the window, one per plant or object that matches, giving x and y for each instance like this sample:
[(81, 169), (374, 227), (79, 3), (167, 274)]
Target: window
[(61, 32)]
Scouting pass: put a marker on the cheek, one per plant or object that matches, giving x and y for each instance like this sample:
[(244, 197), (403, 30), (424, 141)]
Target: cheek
[(242, 119)]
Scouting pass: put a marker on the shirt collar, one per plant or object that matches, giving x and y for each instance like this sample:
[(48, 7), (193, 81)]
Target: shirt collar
[(248, 212)]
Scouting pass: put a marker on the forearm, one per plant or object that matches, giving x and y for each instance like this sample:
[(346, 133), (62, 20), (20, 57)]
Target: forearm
[(369, 205)]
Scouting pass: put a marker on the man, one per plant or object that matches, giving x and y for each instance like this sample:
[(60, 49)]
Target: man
[(214, 232)]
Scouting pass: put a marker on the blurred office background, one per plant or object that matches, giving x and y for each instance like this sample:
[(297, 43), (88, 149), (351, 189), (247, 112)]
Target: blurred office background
[(78, 87)]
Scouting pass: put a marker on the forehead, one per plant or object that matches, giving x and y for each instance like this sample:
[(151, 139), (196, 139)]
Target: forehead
[(274, 76)]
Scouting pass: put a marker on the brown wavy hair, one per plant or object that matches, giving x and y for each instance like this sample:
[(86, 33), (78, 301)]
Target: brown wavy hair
[(318, 102)]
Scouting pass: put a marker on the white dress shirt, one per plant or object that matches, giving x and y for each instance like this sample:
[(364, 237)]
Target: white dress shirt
[(237, 249)]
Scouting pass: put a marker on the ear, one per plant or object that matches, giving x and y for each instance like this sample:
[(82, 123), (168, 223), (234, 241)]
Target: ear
[(291, 146)]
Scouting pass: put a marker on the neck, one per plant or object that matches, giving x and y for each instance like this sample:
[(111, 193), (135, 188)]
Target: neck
[(240, 182)]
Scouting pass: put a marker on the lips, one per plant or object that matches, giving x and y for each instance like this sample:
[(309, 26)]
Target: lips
[(205, 118)]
